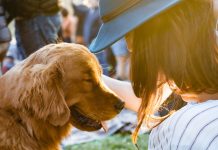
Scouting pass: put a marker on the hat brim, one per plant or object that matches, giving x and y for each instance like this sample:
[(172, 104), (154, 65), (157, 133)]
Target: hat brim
[(115, 29)]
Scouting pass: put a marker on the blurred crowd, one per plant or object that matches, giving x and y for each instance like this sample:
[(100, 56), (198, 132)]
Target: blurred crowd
[(41, 22)]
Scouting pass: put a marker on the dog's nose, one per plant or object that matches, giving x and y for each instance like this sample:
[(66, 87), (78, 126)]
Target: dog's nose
[(119, 105)]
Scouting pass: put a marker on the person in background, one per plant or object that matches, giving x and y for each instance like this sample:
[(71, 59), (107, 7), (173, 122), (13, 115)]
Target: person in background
[(80, 11), (8, 63), (37, 23), (92, 21), (91, 26), (173, 49), (68, 26), (121, 54), (5, 35)]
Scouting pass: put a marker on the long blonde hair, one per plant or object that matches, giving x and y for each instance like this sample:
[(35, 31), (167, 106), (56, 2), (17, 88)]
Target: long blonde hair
[(179, 44)]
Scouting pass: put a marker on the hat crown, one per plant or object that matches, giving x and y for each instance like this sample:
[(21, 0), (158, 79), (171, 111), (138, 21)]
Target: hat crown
[(107, 6), (121, 16)]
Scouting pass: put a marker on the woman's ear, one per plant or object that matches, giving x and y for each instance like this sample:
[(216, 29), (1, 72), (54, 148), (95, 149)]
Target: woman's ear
[(43, 94)]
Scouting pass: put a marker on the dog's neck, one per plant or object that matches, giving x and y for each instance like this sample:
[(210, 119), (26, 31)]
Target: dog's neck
[(4, 87), (47, 136), (44, 132), (1, 87), (3, 93)]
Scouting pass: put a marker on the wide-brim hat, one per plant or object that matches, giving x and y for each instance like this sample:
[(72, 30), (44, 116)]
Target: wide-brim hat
[(121, 16)]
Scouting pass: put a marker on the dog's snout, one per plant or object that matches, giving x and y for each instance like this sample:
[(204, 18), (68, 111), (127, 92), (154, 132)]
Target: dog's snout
[(119, 106)]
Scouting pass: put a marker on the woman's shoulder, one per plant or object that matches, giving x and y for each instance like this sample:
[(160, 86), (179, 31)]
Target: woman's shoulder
[(193, 125)]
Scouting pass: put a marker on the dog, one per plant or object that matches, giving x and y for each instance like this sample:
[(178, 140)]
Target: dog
[(43, 97)]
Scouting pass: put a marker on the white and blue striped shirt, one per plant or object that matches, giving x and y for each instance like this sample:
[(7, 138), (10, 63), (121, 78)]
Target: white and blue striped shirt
[(194, 127)]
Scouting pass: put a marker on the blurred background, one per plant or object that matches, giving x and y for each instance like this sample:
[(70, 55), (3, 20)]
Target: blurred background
[(79, 23)]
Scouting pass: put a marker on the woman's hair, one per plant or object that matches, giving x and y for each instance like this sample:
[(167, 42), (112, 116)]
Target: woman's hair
[(177, 47)]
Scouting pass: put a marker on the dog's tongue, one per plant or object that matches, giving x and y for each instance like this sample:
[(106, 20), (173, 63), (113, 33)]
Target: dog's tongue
[(104, 126)]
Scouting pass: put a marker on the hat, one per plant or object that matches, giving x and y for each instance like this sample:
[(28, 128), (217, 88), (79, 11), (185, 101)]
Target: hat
[(121, 16)]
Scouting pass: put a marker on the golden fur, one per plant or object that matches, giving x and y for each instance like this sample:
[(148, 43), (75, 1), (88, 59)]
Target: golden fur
[(42, 97)]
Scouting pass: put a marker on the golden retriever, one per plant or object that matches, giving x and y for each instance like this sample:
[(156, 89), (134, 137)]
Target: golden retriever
[(42, 97)]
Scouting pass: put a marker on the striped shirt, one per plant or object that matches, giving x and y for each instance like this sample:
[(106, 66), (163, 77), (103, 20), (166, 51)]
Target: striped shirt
[(194, 127)]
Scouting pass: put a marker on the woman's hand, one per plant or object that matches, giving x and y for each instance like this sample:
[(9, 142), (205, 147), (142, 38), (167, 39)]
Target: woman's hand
[(124, 91)]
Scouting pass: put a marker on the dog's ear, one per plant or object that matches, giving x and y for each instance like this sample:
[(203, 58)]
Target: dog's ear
[(43, 94)]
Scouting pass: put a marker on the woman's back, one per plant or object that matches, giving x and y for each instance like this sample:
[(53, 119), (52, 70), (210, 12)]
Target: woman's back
[(192, 127)]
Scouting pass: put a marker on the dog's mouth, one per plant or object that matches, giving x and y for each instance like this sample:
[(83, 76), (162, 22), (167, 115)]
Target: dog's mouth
[(83, 122)]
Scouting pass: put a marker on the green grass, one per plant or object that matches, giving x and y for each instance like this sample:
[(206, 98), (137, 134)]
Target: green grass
[(115, 142)]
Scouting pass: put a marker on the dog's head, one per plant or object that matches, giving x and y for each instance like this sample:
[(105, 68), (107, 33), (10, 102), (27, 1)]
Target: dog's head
[(61, 83)]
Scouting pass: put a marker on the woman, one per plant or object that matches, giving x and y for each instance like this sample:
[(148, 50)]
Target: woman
[(173, 45)]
